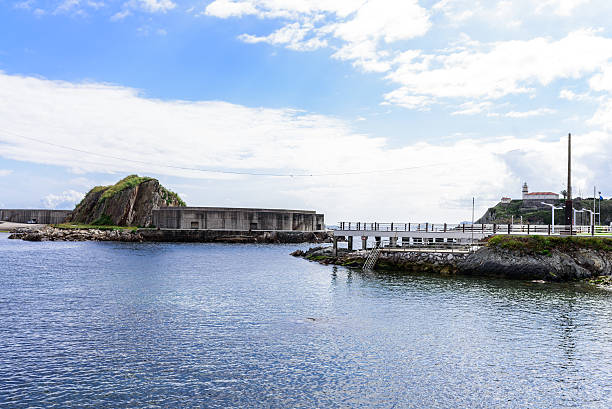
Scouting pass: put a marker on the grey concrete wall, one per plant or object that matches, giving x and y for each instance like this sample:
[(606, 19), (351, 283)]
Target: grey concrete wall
[(237, 219), (42, 216)]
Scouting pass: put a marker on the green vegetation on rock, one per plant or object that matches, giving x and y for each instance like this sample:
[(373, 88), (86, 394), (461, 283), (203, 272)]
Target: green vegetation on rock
[(169, 196), (104, 220), (544, 245), (125, 183)]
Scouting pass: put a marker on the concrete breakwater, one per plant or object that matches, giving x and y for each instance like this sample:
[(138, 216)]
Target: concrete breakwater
[(49, 233), (565, 259)]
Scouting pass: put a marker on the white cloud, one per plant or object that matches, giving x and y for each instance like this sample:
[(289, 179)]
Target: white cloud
[(291, 35), (561, 7), (367, 34), (473, 108), (157, 6), (602, 81), (5, 172), (24, 5), (119, 124), (360, 27), (120, 15), (529, 114), (503, 68), (229, 8), (65, 200)]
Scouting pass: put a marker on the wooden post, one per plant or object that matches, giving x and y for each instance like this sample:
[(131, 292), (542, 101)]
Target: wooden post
[(444, 227), (426, 227), (335, 248), (494, 228), (528, 226), (463, 227), (549, 229), (391, 226), (508, 228)]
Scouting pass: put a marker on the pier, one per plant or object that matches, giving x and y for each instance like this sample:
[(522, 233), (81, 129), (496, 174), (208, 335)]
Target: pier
[(440, 237)]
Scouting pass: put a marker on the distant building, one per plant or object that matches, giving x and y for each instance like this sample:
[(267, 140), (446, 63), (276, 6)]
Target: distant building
[(506, 200), (538, 195), (237, 219)]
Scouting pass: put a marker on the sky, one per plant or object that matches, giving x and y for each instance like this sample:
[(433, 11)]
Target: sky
[(365, 110)]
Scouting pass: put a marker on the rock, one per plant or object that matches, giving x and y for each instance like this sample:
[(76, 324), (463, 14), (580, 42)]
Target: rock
[(130, 202)]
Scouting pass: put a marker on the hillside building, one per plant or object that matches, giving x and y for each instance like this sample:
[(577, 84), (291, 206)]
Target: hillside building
[(538, 195)]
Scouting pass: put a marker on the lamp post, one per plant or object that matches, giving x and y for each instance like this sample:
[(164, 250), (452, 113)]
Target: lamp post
[(552, 207), (592, 214), (576, 211)]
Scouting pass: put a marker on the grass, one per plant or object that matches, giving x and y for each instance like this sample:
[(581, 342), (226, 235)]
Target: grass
[(75, 226), (125, 183), (544, 245), (168, 196)]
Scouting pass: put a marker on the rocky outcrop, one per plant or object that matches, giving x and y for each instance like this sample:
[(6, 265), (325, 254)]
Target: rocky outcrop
[(554, 266), (130, 202), (55, 234), (530, 258), (48, 233)]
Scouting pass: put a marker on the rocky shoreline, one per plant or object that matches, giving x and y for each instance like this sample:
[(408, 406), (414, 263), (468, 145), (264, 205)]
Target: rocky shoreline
[(558, 264), (50, 233)]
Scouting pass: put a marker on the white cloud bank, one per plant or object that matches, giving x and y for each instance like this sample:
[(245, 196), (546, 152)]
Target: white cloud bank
[(65, 200), (119, 124), (373, 34)]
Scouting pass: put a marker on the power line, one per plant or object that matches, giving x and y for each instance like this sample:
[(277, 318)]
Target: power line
[(230, 172)]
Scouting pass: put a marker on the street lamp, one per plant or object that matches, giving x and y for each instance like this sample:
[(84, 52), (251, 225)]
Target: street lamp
[(592, 214), (576, 211), (552, 206)]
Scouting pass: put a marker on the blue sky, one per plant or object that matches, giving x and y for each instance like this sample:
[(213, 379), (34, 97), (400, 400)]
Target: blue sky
[(461, 98)]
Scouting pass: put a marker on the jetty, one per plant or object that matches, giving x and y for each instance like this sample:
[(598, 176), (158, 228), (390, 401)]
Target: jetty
[(444, 237)]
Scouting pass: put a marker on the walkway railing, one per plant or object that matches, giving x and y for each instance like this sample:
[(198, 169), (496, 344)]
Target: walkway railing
[(483, 228)]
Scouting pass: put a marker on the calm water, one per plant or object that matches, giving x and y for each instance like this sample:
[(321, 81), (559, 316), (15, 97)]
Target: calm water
[(213, 325)]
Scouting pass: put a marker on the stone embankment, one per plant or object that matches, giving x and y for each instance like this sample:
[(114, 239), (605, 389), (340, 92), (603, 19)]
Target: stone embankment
[(409, 261), (49, 233), (54, 234), (529, 258)]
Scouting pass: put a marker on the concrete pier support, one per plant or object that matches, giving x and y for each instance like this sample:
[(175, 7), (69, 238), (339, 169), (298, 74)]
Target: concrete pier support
[(364, 242), (335, 246), (393, 241), (350, 243)]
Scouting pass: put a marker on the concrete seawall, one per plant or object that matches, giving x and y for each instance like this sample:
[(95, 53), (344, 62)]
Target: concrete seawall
[(38, 216)]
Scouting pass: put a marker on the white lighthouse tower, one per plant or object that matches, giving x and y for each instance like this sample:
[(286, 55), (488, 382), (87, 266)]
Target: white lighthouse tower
[(525, 191)]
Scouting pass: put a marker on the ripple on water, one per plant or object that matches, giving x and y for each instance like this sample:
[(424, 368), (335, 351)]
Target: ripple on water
[(133, 325)]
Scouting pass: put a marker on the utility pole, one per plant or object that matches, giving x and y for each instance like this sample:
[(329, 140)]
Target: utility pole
[(594, 207), (599, 202), (568, 201)]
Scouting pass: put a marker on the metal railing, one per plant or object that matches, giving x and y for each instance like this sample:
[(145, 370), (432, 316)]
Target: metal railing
[(483, 228)]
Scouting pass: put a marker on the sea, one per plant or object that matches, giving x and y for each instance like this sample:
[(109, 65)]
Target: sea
[(154, 325)]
